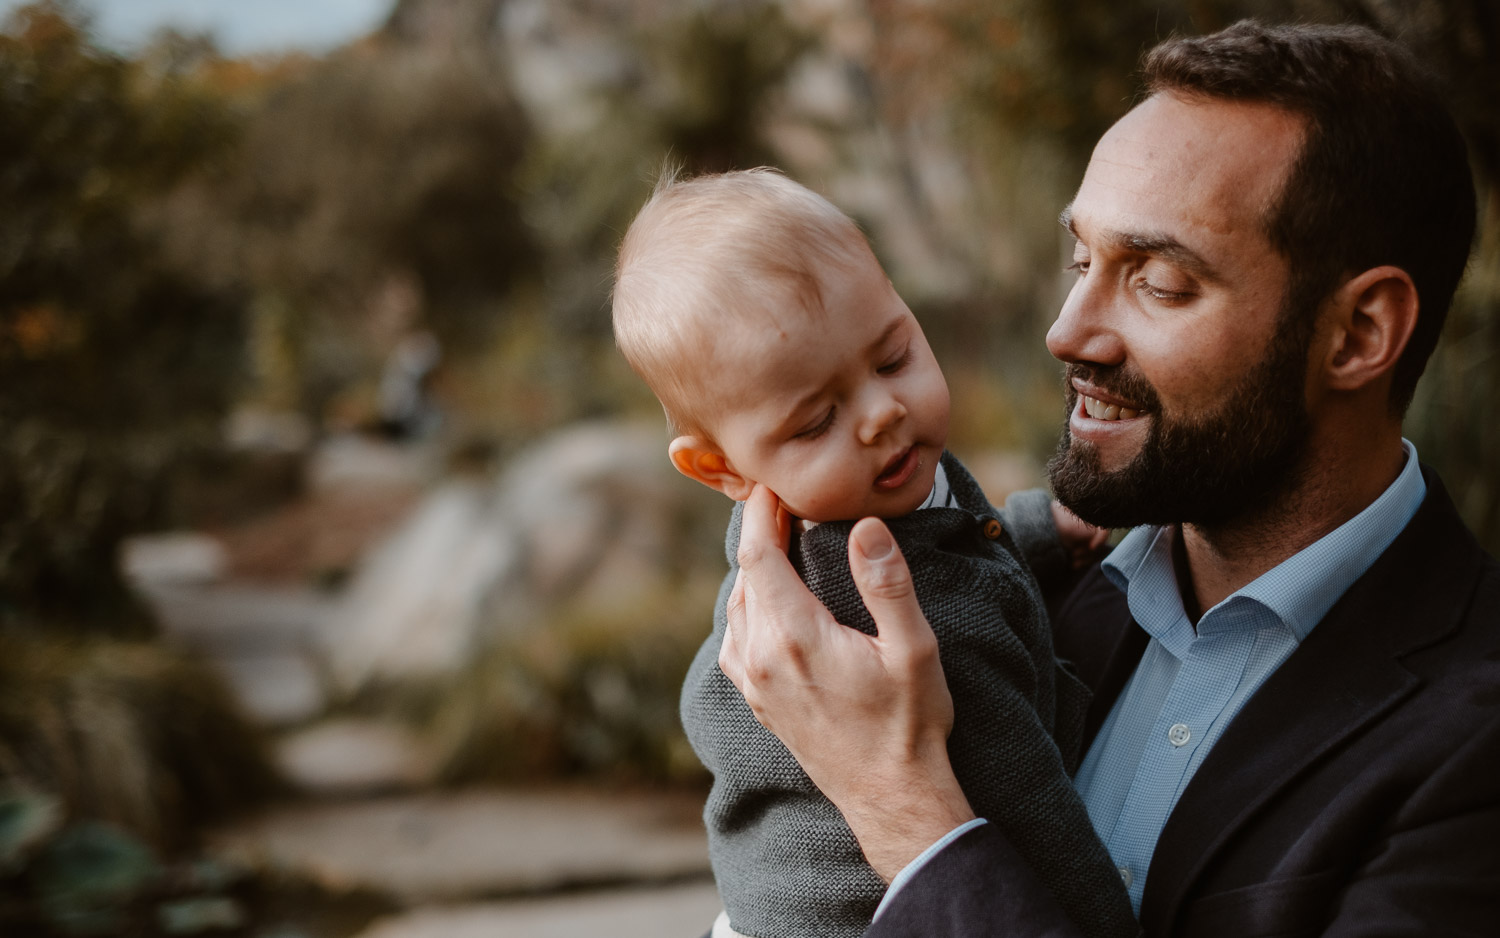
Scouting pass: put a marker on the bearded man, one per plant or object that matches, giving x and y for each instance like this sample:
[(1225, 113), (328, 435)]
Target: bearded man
[(1295, 653)]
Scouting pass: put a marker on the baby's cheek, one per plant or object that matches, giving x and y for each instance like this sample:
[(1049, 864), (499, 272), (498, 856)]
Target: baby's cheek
[(820, 496)]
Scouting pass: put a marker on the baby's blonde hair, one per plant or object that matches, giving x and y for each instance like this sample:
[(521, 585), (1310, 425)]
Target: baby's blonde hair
[(713, 251)]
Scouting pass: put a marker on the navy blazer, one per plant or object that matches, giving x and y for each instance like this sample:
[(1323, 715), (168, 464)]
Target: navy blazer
[(1357, 793)]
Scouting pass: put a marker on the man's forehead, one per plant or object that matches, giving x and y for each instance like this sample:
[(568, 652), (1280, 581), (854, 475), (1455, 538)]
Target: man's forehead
[(1196, 161)]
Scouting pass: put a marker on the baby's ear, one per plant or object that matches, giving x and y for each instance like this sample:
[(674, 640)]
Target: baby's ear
[(699, 459)]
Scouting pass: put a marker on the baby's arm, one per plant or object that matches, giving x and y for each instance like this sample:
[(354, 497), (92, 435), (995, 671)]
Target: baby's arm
[(1055, 542), (1083, 541)]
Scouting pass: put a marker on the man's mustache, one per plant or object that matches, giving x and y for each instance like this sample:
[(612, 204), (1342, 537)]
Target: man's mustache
[(1126, 384)]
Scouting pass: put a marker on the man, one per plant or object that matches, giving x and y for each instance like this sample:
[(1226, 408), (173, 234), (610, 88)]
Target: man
[(1296, 655)]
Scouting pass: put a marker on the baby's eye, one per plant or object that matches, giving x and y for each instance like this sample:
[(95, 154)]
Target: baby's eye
[(817, 429), (894, 365)]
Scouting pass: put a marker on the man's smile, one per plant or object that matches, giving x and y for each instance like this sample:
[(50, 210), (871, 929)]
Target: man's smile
[(1113, 423), (1099, 410)]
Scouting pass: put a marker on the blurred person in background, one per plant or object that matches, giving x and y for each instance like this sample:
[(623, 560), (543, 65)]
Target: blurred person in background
[(1294, 652)]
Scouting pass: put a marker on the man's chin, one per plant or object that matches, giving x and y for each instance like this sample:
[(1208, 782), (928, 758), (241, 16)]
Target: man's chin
[(1077, 478), (1124, 497), (1084, 488), (1212, 493)]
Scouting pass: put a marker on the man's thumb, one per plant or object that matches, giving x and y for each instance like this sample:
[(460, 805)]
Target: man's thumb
[(884, 582)]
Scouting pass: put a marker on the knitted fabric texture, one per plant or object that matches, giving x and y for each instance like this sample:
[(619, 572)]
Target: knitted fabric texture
[(787, 864)]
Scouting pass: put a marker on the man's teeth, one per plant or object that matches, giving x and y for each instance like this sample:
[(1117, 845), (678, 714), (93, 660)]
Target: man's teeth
[(1102, 411)]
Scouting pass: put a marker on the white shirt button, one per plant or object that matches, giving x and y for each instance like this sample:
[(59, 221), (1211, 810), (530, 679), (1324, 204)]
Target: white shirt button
[(1125, 876), (1179, 734)]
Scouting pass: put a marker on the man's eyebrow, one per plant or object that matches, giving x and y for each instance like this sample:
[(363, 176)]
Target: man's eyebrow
[(1163, 246), (1156, 245)]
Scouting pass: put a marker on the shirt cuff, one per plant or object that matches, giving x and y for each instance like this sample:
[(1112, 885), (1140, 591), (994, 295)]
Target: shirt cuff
[(914, 867)]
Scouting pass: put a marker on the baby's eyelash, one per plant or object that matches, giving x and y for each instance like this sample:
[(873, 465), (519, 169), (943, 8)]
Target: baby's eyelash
[(895, 365), (822, 427)]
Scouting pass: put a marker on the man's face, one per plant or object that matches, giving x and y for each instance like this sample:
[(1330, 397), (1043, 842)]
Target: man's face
[(843, 414), (1186, 390)]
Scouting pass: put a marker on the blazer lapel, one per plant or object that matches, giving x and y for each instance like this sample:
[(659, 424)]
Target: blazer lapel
[(1345, 675), (1094, 632)]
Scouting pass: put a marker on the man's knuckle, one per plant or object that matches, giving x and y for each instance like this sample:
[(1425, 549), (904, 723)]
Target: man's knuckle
[(888, 583), (760, 669), (751, 554)]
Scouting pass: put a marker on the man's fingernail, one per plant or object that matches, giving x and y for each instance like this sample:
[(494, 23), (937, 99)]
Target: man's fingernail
[(874, 541)]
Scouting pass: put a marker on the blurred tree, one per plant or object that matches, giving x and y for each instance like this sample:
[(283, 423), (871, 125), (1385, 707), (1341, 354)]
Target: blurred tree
[(113, 362), (372, 194), (1460, 39), (692, 90)]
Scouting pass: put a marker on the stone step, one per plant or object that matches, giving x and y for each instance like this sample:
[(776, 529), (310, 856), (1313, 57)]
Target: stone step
[(681, 911), (350, 756), (447, 847)]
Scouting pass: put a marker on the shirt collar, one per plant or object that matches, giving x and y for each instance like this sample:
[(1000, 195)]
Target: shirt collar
[(1299, 591), (941, 494)]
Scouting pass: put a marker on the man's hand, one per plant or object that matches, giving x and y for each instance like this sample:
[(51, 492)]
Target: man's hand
[(867, 717)]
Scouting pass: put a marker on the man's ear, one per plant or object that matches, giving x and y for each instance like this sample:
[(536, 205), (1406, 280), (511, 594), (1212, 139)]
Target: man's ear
[(1374, 314), (699, 459)]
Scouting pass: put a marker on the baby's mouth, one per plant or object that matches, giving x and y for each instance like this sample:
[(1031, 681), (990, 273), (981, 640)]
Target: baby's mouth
[(899, 470), (1101, 411)]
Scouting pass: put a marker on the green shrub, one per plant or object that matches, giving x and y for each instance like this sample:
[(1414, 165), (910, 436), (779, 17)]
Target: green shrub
[(125, 732)]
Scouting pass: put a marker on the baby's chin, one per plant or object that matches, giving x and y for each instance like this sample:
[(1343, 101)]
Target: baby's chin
[(893, 505)]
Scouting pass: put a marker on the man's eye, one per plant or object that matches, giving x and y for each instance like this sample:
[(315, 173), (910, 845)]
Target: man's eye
[(1159, 293), (1081, 267), (896, 364), (818, 429)]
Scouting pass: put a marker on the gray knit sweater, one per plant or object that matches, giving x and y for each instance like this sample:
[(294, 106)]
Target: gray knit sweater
[(787, 864)]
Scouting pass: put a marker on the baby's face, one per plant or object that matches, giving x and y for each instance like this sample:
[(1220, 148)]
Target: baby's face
[(842, 416)]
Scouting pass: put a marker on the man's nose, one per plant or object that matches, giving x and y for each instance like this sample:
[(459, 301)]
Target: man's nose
[(884, 411), (1085, 328)]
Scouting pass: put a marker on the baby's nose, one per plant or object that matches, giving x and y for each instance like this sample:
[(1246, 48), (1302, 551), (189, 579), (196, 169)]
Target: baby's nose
[(886, 412)]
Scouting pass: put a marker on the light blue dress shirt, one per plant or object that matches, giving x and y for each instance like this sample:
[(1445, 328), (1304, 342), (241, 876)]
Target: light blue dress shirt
[(1191, 682)]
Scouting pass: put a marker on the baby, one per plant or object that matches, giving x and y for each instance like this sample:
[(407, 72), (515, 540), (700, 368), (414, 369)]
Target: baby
[(782, 355)]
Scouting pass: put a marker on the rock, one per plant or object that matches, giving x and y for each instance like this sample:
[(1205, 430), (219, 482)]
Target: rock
[(240, 619), (682, 911), (413, 606), (261, 639), (275, 689), (448, 847), (344, 756), (594, 507), (172, 559), (354, 460), (592, 516)]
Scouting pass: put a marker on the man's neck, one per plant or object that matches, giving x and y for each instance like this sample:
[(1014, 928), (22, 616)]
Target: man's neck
[(1214, 561)]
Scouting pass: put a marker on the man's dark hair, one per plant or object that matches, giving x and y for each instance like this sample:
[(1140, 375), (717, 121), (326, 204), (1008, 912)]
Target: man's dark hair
[(1383, 176)]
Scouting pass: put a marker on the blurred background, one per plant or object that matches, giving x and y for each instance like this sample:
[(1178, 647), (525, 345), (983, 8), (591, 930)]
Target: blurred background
[(345, 588)]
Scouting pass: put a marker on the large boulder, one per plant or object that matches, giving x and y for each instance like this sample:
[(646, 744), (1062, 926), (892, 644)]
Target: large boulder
[(591, 516)]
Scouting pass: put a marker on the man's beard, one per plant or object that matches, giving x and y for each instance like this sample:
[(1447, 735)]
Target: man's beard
[(1207, 469)]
